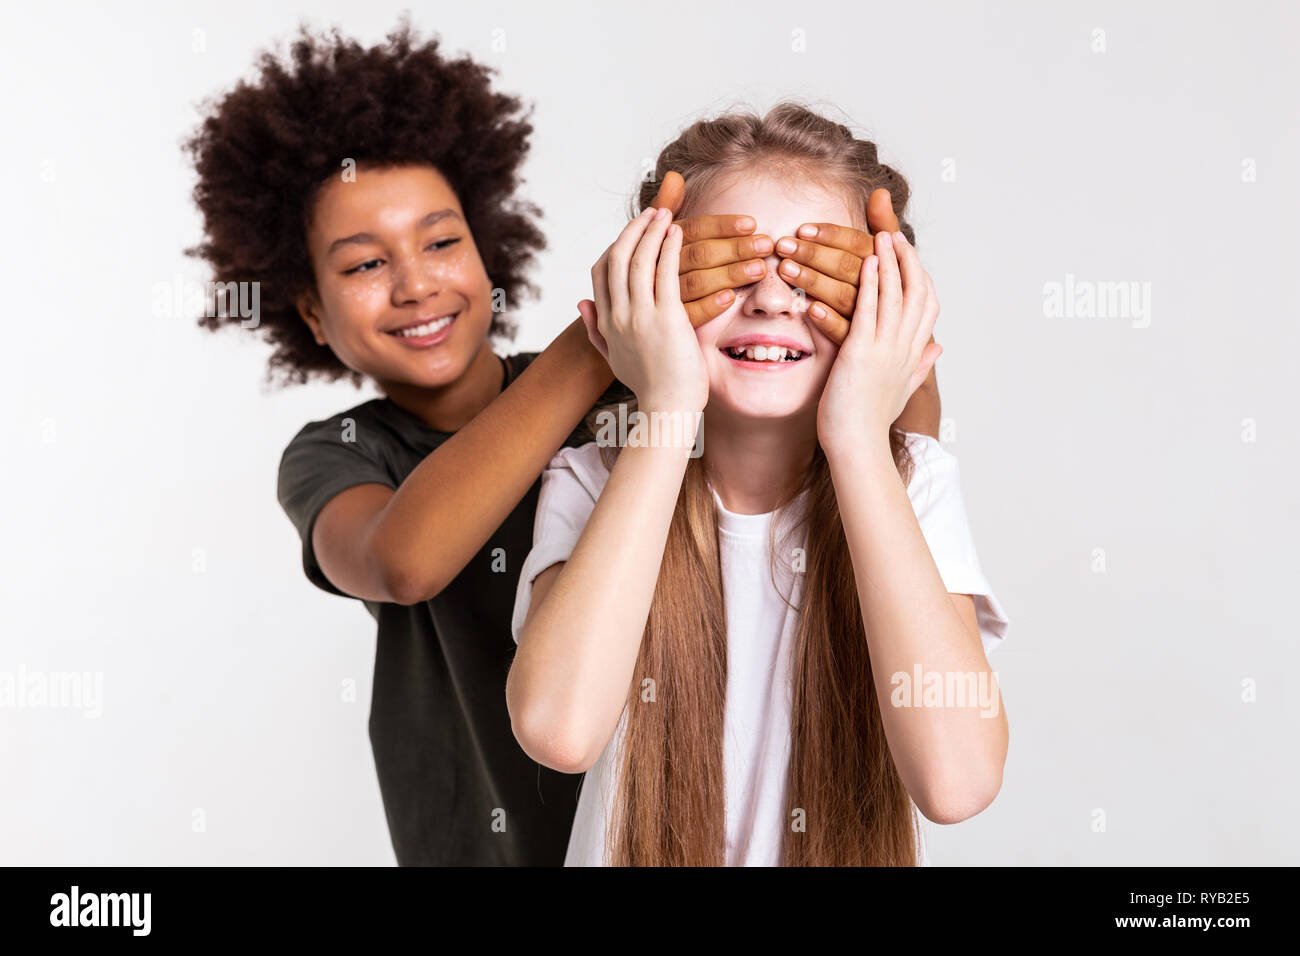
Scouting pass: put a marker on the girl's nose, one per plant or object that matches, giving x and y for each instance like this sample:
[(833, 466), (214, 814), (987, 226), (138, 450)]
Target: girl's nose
[(772, 294)]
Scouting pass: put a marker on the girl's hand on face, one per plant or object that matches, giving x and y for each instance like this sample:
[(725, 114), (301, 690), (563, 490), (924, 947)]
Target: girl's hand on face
[(637, 320), (887, 352)]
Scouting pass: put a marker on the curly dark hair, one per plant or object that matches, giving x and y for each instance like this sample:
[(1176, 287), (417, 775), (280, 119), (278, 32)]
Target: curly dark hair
[(264, 150)]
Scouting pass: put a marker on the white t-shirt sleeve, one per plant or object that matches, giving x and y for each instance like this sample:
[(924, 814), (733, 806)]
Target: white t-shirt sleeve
[(935, 491), (571, 484)]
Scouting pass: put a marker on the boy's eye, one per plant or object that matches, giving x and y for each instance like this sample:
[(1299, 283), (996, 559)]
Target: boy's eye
[(369, 264), (362, 267)]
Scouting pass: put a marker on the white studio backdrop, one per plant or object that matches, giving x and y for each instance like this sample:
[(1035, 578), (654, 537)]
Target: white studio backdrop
[(1130, 478)]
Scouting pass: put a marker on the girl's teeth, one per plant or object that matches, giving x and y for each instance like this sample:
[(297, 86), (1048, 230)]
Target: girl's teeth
[(429, 328), (765, 353)]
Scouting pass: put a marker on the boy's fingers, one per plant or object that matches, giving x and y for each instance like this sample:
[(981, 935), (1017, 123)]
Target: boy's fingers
[(827, 240), (830, 323), (838, 295), (708, 308), (705, 282), (671, 192), (708, 253), (697, 228), (880, 212)]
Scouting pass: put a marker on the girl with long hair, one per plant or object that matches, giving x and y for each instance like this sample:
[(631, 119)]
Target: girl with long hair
[(773, 652)]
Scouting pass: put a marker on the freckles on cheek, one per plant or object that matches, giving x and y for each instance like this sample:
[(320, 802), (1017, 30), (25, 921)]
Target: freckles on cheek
[(362, 294)]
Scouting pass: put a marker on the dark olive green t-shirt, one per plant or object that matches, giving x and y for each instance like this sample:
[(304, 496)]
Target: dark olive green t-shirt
[(457, 789)]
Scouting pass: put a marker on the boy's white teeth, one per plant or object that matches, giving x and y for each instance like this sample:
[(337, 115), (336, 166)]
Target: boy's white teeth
[(429, 328), (765, 353)]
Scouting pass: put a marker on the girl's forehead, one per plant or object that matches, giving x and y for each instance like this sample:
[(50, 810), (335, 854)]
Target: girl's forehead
[(779, 205)]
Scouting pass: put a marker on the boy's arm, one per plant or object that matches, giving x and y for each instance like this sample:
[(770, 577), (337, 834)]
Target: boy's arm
[(921, 414), (405, 546)]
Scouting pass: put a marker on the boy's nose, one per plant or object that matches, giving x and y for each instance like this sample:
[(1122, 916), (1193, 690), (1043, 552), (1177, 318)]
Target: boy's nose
[(413, 283)]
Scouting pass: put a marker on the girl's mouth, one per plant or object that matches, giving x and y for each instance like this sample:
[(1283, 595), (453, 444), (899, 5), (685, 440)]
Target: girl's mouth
[(763, 356), (422, 335)]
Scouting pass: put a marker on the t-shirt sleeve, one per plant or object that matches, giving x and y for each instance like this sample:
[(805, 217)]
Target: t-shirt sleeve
[(324, 459), (935, 491), (571, 484)]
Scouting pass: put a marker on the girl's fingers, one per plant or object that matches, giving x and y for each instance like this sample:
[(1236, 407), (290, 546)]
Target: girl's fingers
[(930, 315), (600, 290), (891, 288), (667, 287), (928, 358), (916, 292), (590, 318), (620, 256), (645, 259), (865, 314)]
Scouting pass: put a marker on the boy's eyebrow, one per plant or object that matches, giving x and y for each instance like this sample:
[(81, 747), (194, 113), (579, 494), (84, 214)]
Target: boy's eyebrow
[(364, 237)]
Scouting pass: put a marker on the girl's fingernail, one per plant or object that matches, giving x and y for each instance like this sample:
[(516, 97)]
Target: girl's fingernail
[(900, 238), (818, 311), (661, 212), (807, 231), (886, 241), (786, 246)]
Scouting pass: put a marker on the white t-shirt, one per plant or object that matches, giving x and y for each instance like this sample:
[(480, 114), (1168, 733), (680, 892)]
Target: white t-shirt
[(760, 636)]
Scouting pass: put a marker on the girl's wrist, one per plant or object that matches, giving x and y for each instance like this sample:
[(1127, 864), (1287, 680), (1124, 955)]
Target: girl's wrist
[(670, 403), (862, 447)]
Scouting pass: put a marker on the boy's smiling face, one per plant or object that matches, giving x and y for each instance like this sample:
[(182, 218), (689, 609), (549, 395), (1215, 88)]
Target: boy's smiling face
[(402, 295)]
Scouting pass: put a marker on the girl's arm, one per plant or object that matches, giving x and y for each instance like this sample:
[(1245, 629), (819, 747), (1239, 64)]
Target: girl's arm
[(569, 682), (579, 643), (950, 757)]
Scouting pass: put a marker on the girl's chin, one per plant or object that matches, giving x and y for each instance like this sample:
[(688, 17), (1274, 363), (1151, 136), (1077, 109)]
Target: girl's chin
[(740, 410)]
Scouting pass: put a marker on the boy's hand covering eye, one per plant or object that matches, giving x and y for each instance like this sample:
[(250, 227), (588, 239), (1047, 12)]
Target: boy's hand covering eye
[(825, 260), (716, 250)]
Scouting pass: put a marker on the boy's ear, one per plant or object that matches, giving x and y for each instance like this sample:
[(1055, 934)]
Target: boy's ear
[(309, 309)]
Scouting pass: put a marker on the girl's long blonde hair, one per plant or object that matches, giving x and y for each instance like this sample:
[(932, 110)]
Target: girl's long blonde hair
[(846, 803)]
